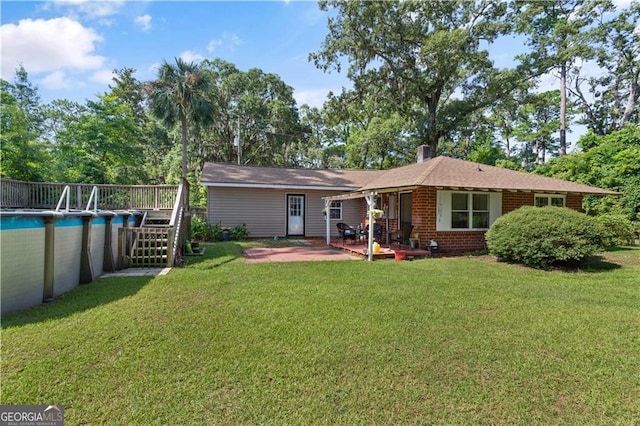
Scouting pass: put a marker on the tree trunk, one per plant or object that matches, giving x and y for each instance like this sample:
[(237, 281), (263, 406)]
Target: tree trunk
[(563, 109), (467, 146), (183, 122), (631, 101)]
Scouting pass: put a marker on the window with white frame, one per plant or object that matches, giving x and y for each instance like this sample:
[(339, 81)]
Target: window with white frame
[(542, 200), (335, 210), (469, 211)]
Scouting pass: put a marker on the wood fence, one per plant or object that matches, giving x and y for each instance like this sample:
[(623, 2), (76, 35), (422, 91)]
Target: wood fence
[(38, 195)]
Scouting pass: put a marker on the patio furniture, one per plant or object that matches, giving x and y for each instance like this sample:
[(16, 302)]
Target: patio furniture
[(346, 232), (377, 231), (402, 237)]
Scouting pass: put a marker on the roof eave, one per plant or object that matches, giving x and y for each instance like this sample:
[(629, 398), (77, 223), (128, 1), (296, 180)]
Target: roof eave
[(277, 186)]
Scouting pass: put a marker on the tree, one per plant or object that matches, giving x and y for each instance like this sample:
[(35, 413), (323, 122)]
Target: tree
[(611, 161), (425, 57), (612, 98), (130, 90), (557, 33), (260, 110), (102, 145), (27, 99), (381, 144), (179, 95), (540, 120), (504, 116), (22, 156)]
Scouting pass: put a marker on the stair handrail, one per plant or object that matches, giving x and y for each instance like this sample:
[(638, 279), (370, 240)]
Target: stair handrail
[(176, 220), (93, 198), (143, 221), (64, 195), (172, 258), (177, 205)]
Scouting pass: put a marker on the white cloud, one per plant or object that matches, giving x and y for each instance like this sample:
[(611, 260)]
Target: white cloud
[(89, 8), (313, 97), (227, 40), (622, 4), (213, 45), (48, 45), (144, 22), (189, 56), (102, 77), (56, 80)]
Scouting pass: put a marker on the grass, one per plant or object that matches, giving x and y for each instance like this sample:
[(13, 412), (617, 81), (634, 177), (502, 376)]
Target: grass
[(450, 340)]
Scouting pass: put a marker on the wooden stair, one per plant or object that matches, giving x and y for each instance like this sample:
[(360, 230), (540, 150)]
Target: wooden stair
[(151, 241)]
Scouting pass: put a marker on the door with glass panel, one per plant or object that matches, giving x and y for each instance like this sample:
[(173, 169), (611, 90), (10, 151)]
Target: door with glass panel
[(405, 209), (295, 214)]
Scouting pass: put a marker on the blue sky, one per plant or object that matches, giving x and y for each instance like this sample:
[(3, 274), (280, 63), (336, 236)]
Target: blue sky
[(69, 48)]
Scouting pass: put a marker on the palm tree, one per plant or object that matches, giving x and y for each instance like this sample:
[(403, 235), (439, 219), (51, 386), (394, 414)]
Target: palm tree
[(180, 94)]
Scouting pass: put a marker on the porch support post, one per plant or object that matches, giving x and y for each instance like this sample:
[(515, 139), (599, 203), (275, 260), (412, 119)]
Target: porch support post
[(327, 219), (371, 203)]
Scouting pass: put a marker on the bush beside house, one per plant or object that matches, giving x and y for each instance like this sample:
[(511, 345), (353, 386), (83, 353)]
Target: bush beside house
[(201, 230), (616, 229), (545, 237)]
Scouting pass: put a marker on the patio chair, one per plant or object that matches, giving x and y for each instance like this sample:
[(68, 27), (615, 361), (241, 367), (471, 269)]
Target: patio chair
[(346, 232), (402, 237), (377, 231)]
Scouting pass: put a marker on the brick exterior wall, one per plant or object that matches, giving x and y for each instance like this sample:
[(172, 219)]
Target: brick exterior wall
[(574, 202), (424, 210)]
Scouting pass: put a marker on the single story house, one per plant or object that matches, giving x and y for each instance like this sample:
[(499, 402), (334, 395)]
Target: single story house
[(448, 200)]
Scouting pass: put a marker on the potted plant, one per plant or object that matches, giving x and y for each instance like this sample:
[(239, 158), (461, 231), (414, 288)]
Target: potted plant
[(376, 213)]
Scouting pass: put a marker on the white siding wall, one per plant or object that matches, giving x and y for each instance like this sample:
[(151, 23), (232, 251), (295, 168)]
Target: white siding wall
[(265, 210)]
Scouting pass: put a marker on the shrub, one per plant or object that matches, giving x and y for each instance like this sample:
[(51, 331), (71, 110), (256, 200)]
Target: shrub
[(239, 232), (543, 237), (200, 230), (616, 229), (216, 232)]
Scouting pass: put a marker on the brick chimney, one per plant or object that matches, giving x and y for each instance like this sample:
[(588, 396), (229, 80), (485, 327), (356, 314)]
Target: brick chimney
[(425, 153)]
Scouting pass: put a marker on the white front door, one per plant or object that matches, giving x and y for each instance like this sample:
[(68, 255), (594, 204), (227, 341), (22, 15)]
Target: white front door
[(295, 215)]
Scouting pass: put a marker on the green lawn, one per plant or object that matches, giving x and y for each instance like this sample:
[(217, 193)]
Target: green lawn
[(436, 341)]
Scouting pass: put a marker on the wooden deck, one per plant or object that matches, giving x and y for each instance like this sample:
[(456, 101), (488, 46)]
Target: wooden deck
[(386, 252)]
